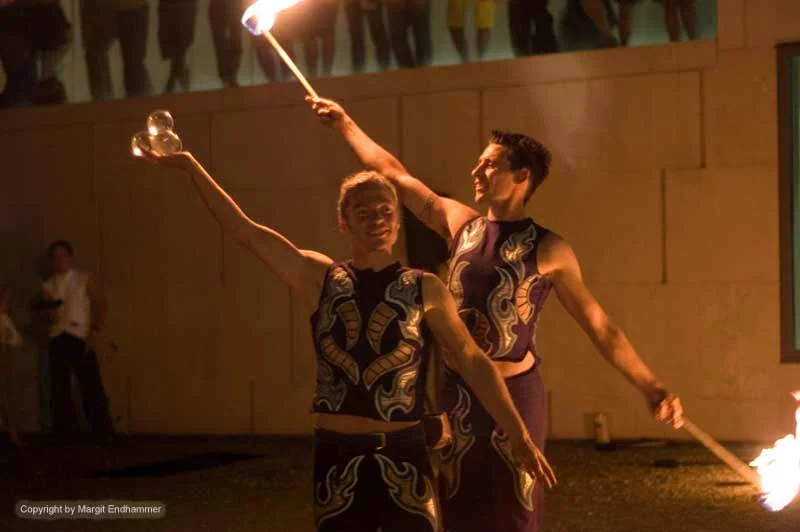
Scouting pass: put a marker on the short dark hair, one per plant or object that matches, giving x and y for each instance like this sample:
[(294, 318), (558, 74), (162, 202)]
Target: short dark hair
[(64, 244), (525, 152)]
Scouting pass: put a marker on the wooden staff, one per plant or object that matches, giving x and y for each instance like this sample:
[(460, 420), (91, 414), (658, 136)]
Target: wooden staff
[(731, 460), (288, 60)]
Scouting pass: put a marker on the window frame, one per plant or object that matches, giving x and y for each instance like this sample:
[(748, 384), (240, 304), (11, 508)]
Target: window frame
[(786, 189)]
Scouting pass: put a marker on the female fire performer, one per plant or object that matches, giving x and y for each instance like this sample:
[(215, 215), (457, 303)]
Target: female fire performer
[(371, 470)]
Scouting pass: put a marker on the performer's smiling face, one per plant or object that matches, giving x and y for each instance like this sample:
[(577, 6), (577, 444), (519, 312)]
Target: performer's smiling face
[(371, 217), (493, 178)]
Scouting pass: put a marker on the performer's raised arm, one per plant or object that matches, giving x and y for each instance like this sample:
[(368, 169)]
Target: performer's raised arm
[(302, 270), (464, 355), (443, 215)]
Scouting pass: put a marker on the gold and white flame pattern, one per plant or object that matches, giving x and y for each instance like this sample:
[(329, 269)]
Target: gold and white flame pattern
[(382, 315), (399, 357), (403, 293), (339, 358), (503, 314), (403, 483), (471, 237), (524, 482), (338, 495), (463, 440), (339, 286), (401, 396), (351, 318), (329, 393)]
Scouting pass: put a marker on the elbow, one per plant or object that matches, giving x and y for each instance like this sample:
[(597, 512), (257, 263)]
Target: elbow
[(395, 169), (472, 364), (610, 340)]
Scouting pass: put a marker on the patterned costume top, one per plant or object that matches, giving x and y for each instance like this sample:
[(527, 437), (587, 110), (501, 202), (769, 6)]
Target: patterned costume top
[(371, 347), (496, 283)]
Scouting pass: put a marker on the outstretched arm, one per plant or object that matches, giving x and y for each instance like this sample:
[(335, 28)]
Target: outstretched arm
[(442, 215), (302, 270), (464, 355), (558, 261)]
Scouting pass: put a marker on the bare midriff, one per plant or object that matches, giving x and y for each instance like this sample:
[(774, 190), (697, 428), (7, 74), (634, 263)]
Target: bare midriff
[(509, 369), (358, 424)]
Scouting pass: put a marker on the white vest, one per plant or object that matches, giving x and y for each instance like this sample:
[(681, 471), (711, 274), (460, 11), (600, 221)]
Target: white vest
[(74, 314)]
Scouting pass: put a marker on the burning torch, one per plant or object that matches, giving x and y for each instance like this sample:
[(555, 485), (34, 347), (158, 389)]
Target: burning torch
[(259, 18), (778, 468)]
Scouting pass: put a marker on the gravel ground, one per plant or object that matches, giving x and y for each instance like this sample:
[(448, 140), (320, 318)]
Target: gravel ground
[(246, 484)]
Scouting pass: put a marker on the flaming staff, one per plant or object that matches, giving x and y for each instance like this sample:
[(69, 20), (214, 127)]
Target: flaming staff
[(259, 18), (722, 453), (779, 468)]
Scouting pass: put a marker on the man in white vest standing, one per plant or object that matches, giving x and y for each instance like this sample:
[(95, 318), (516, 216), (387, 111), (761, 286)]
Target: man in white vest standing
[(77, 313)]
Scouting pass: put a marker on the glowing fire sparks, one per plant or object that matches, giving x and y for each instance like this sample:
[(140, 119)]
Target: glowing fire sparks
[(779, 468), (259, 17)]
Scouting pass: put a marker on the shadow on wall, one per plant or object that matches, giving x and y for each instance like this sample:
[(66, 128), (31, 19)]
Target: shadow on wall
[(24, 266)]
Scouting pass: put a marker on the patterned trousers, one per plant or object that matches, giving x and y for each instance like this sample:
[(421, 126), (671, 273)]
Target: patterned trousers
[(374, 482)]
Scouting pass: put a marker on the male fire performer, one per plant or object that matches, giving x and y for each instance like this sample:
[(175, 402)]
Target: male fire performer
[(502, 267)]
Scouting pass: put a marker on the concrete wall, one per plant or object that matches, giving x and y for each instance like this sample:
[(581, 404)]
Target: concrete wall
[(664, 181)]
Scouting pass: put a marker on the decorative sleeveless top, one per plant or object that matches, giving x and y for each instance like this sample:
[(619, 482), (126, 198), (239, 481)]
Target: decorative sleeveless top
[(497, 286), (371, 347)]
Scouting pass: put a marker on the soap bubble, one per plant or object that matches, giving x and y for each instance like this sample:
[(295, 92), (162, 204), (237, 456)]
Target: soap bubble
[(159, 122), (166, 143), (140, 143)]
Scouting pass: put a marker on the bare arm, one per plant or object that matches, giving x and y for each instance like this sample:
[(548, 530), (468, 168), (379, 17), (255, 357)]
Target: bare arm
[(557, 259), (442, 215), (480, 374), (302, 270)]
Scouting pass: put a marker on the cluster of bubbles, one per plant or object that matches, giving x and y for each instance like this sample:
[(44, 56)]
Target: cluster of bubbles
[(159, 138)]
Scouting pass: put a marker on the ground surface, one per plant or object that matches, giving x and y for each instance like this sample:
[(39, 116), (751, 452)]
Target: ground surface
[(244, 485)]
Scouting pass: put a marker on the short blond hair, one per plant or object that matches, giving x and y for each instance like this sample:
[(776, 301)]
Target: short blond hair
[(358, 180)]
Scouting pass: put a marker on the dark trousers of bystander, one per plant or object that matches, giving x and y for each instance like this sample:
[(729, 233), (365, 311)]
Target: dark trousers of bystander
[(371, 10), (226, 31), (531, 27), (68, 355), (176, 21), (101, 24), (412, 16)]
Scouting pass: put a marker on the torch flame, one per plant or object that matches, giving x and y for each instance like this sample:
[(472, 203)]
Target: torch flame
[(779, 468), (260, 16)]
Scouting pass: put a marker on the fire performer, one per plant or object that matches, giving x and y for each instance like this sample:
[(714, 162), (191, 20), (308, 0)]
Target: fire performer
[(502, 268), (371, 470)]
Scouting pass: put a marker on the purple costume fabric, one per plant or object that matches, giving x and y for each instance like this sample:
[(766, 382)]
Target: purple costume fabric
[(500, 293)]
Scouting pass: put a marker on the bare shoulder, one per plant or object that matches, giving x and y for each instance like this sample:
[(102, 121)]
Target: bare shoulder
[(317, 262), (457, 214), (433, 291), (554, 254), (315, 257)]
